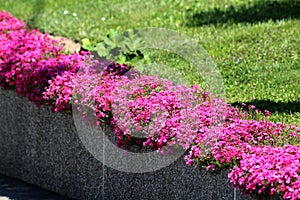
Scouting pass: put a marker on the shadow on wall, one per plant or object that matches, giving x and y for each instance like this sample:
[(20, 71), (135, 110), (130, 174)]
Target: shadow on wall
[(281, 107), (259, 12)]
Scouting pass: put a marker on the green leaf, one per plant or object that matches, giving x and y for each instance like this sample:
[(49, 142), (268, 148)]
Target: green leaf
[(109, 43), (86, 44), (122, 59), (101, 50)]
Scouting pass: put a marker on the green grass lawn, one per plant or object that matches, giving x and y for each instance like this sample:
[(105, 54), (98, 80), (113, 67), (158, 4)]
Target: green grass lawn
[(255, 44)]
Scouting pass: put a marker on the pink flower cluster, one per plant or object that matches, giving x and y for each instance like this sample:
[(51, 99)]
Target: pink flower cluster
[(270, 170), (263, 161), (59, 92), (93, 87), (91, 82), (28, 59), (9, 23), (264, 156), (156, 109)]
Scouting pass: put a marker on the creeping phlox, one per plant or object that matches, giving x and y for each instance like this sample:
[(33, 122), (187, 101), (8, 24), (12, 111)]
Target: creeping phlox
[(29, 59), (263, 156)]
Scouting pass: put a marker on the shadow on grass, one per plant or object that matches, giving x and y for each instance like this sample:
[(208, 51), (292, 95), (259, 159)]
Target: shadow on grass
[(38, 9), (281, 107), (259, 12)]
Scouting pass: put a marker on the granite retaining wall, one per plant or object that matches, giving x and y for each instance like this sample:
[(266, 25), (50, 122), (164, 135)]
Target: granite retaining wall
[(43, 148)]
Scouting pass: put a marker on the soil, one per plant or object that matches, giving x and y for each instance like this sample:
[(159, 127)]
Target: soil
[(70, 45)]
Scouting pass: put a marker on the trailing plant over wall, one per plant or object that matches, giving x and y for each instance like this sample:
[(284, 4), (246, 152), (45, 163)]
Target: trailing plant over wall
[(29, 59)]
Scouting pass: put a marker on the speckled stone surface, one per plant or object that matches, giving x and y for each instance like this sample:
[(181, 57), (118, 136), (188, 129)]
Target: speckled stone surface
[(43, 148), (13, 189)]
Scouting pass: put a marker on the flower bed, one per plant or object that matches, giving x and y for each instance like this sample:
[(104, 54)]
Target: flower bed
[(43, 148), (262, 156)]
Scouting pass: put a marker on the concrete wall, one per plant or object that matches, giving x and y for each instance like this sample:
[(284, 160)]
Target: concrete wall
[(42, 148)]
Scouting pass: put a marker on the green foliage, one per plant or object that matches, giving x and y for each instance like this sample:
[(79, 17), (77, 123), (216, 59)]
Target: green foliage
[(86, 44), (123, 48)]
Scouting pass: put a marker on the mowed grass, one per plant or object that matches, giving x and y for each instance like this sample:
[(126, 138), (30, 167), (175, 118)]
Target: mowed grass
[(255, 44)]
